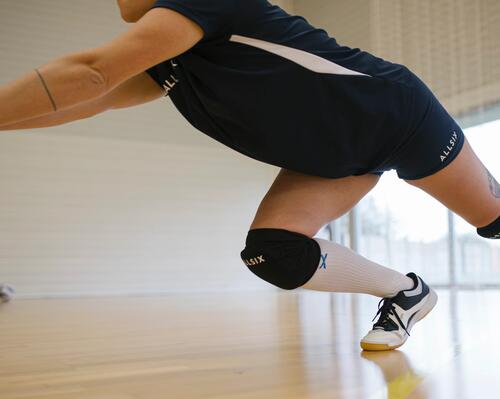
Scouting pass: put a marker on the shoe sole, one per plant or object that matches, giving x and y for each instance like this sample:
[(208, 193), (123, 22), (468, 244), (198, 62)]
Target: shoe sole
[(429, 305)]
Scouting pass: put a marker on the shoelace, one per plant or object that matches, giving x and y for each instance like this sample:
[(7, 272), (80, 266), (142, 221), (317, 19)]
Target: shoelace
[(385, 311)]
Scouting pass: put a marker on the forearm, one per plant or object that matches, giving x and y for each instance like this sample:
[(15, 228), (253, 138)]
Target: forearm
[(35, 123), (55, 118), (69, 80), (137, 90)]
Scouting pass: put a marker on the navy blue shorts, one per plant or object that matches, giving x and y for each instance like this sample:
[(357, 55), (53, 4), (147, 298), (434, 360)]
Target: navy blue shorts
[(434, 144)]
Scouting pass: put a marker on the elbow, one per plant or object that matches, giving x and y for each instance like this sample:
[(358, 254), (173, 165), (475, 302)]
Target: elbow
[(85, 66), (95, 75), (98, 78), (93, 81)]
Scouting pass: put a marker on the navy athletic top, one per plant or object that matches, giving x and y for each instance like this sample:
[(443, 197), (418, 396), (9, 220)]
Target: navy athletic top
[(273, 87)]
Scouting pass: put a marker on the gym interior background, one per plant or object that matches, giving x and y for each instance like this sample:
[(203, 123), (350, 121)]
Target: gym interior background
[(138, 202)]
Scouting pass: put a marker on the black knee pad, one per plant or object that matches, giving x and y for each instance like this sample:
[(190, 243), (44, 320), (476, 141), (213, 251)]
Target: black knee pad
[(281, 257), (490, 231)]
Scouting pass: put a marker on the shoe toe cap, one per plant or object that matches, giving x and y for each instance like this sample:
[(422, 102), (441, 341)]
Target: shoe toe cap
[(382, 337)]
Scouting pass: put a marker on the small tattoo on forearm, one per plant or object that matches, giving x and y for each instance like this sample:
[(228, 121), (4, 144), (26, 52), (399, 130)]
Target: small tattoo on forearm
[(47, 90), (494, 186)]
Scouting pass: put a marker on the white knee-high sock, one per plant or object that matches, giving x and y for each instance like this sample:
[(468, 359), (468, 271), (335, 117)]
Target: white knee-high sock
[(342, 270)]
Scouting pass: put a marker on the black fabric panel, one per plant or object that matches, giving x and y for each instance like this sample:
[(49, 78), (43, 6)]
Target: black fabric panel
[(153, 72)]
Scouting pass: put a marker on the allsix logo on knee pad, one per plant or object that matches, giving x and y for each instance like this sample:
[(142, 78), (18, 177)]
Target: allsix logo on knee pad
[(446, 152), (254, 261)]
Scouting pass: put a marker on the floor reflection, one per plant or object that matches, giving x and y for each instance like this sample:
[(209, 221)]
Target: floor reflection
[(400, 378), (451, 354)]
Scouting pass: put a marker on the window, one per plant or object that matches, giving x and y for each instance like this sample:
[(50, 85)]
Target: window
[(478, 259), (403, 228)]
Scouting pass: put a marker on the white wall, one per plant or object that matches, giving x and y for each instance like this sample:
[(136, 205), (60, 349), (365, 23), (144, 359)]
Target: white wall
[(451, 45), (288, 5), (132, 201)]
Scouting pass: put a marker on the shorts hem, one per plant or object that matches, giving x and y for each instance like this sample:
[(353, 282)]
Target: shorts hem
[(440, 167)]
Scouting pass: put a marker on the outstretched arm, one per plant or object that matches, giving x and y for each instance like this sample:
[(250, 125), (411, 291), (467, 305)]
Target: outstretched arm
[(90, 74), (137, 90)]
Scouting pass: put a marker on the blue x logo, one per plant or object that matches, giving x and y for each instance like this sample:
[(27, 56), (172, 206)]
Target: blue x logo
[(323, 261)]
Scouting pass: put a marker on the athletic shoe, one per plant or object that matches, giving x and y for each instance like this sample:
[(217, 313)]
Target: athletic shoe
[(398, 315), (6, 293)]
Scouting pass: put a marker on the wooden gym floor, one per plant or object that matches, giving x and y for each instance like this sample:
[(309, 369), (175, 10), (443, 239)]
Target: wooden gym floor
[(276, 344)]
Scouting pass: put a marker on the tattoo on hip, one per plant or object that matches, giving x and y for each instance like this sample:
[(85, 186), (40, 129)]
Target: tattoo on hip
[(494, 186)]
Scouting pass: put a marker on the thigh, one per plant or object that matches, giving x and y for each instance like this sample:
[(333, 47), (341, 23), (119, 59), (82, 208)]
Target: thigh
[(303, 203), (466, 187)]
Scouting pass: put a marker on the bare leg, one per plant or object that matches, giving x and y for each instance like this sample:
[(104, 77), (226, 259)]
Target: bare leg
[(466, 187), (303, 204)]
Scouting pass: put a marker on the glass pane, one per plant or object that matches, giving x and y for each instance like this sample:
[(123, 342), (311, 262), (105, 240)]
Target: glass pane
[(405, 229), (478, 259)]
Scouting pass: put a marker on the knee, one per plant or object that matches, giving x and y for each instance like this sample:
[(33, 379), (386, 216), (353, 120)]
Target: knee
[(283, 258), (490, 231)]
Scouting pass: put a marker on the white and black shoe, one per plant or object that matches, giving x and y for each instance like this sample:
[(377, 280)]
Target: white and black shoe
[(398, 315)]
